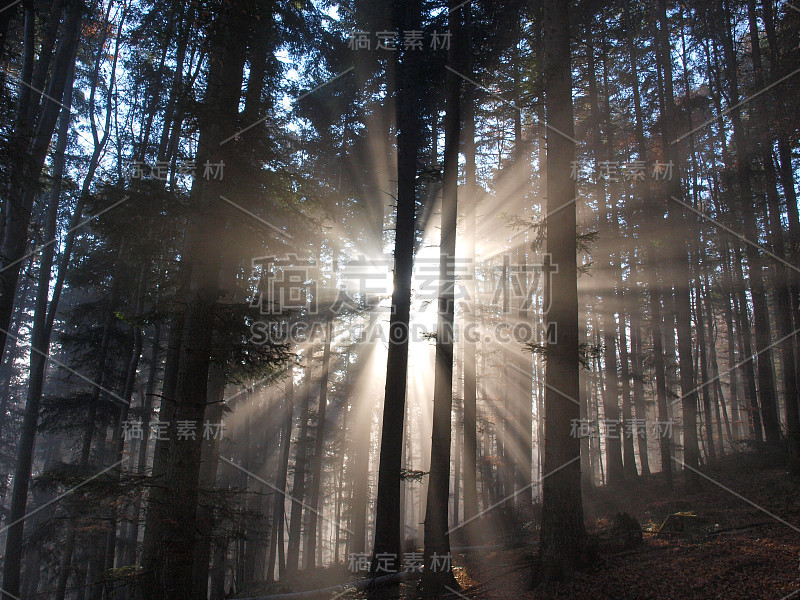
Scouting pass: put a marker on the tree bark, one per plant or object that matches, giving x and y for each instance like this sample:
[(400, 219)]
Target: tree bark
[(680, 263), (203, 256), (34, 144), (766, 384), (387, 517), (40, 348), (298, 485), (279, 507), (310, 548), (436, 578), (562, 534)]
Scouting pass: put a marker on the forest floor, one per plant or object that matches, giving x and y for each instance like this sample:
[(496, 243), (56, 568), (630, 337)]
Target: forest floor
[(740, 552), (735, 550)]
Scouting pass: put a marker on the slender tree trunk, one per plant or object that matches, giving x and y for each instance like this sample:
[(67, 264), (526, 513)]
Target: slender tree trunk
[(470, 346), (704, 377), (680, 265), (310, 548), (649, 268), (766, 384), (627, 411), (784, 276), (563, 533), (33, 143), (387, 517), (279, 507), (13, 247), (298, 485), (141, 466), (436, 578), (639, 406), (203, 257), (158, 486), (616, 473), (208, 481)]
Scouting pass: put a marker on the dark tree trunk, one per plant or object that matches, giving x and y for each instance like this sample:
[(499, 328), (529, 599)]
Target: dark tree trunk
[(784, 276), (680, 264), (279, 507), (470, 347), (312, 514), (299, 483), (208, 482), (387, 516), (764, 369), (639, 406), (615, 469), (19, 205), (220, 112), (437, 578), (158, 488), (32, 142), (562, 533)]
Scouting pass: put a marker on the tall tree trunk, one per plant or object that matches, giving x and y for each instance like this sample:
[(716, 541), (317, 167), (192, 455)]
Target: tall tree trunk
[(158, 485), (387, 517), (436, 578), (766, 384), (616, 473), (470, 346), (704, 377), (563, 533), (40, 348), (279, 507), (784, 277), (627, 410), (33, 144), (680, 264), (141, 466), (639, 406), (208, 482), (203, 256), (299, 483), (361, 426), (649, 266), (310, 548)]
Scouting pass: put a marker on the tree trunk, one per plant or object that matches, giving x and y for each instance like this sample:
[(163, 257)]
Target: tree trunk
[(470, 346), (279, 507), (436, 578), (298, 485), (220, 112), (312, 514), (680, 264), (33, 146), (562, 533), (781, 285), (158, 487), (208, 482), (649, 264), (766, 384), (387, 517), (13, 248)]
